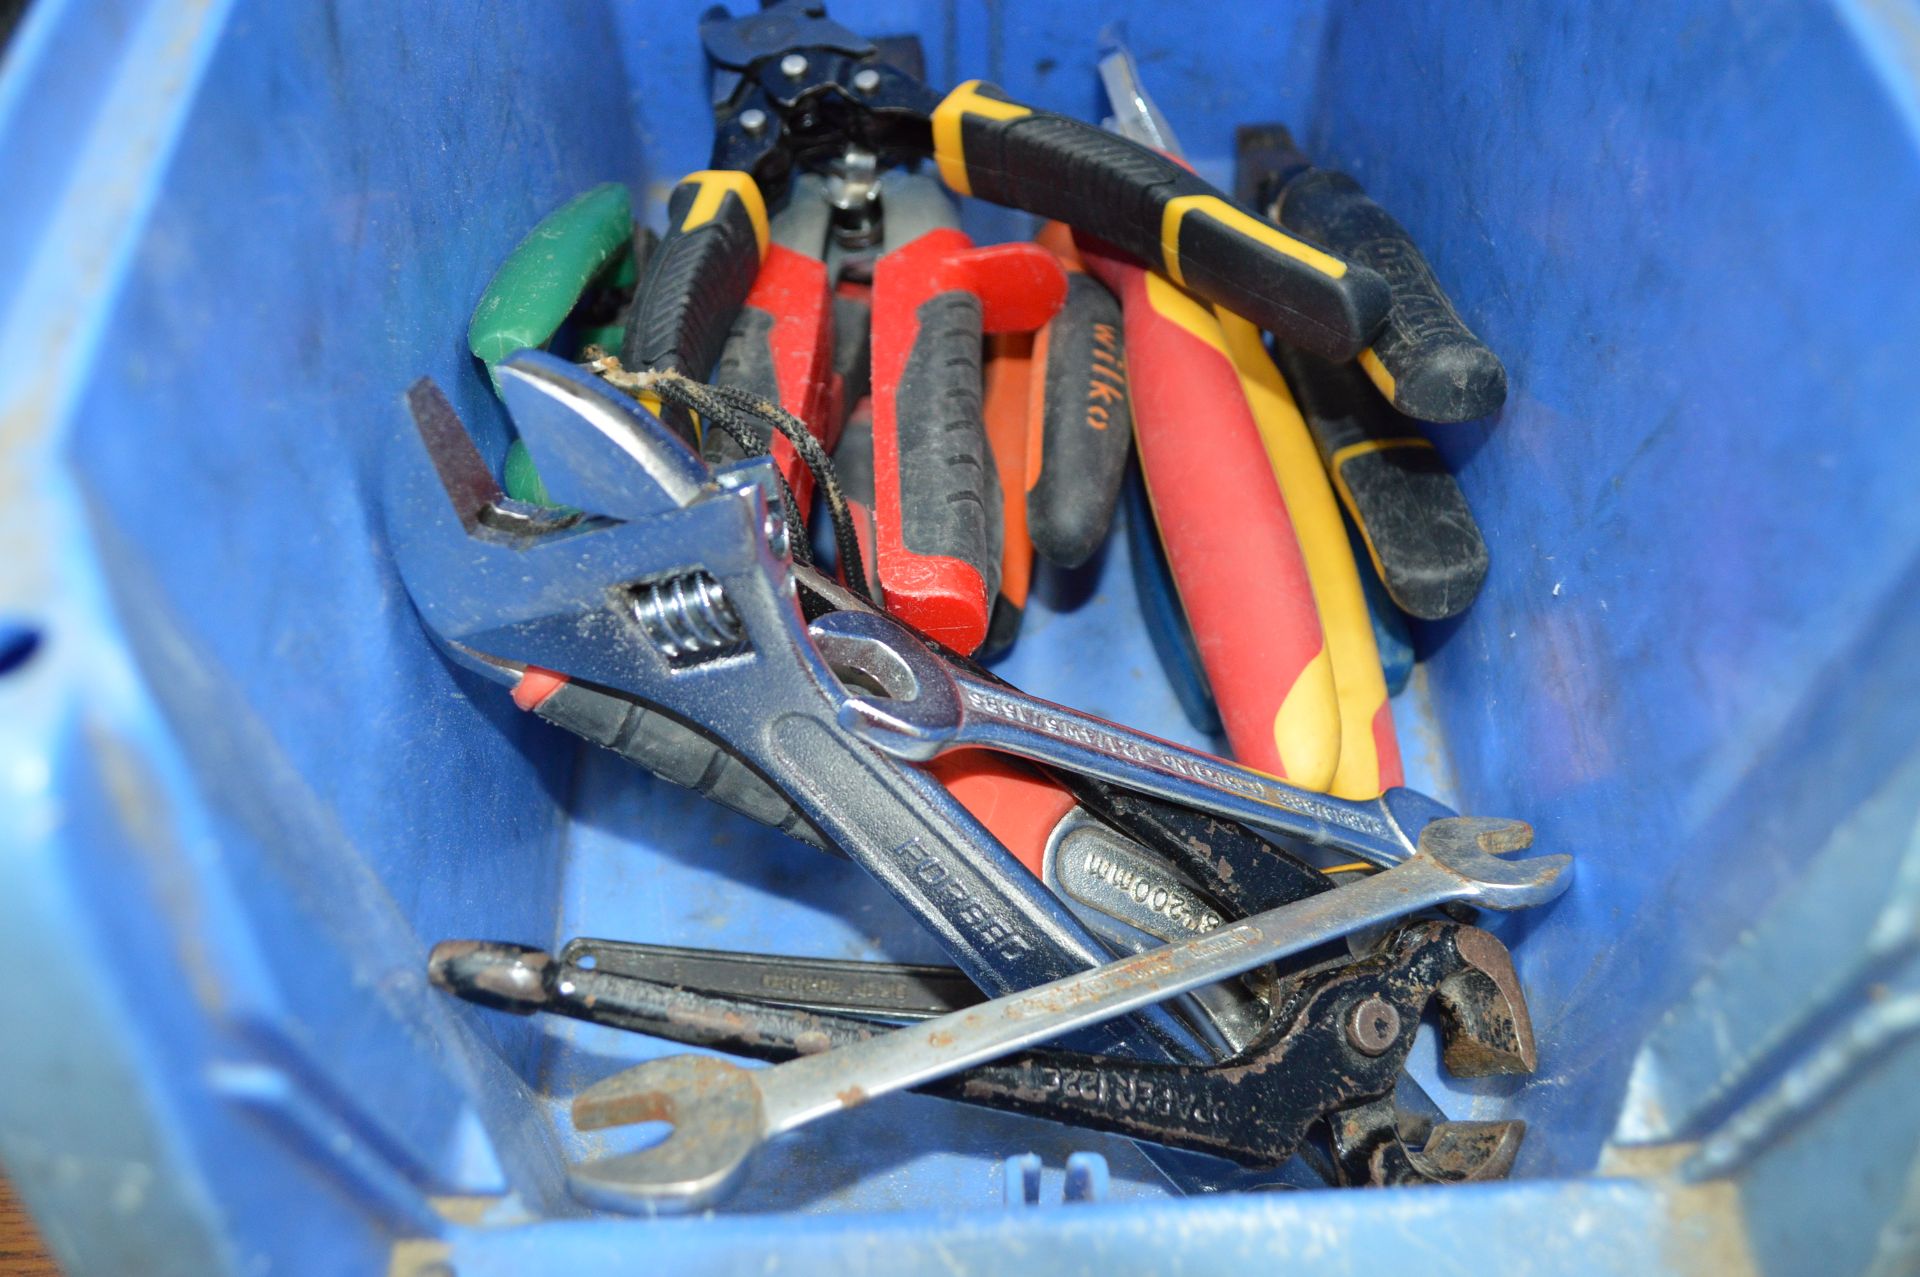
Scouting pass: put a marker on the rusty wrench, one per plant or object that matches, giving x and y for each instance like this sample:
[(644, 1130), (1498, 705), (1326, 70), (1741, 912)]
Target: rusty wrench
[(721, 1113)]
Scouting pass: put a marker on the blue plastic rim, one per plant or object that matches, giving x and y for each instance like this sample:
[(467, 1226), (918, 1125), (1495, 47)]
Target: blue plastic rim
[(243, 794)]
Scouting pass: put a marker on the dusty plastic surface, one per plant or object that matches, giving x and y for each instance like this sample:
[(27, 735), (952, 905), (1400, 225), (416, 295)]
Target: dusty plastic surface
[(240, 794)]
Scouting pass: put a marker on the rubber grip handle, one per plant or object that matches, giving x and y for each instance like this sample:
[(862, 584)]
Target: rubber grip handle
[(699, 276), (937, 498), (1227, 533), (1411, 513), (1082, 422), (666, 747), (1426, 361), (1369, 748), (991, 147), (541, 280), (781, 348), (1017, 803)]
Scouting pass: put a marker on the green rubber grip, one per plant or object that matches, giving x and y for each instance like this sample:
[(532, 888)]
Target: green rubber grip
[(1147, 205), (541, 280), (699, 276), (1411, 513)]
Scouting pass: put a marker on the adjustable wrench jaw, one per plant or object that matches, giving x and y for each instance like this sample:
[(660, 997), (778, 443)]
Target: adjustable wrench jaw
[(675, 569)]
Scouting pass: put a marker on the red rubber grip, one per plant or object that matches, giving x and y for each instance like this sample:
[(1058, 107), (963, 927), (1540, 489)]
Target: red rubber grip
[(1017, 804), (937, 497), (1229, 540), (792, 290)]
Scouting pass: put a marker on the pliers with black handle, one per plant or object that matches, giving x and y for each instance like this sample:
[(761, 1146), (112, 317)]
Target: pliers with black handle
[(793, 89)]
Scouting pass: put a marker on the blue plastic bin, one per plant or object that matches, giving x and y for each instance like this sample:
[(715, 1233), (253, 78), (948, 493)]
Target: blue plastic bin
[(240, 793)]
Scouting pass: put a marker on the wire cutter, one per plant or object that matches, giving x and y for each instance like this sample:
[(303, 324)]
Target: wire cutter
[(793, 89)]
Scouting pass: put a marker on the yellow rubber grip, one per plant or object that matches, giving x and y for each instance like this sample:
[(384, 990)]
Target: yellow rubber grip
[(949, 150), (714, 185), (1242, 223)]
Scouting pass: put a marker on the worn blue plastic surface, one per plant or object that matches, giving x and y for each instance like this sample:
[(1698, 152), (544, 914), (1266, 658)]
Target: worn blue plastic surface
[(240, 794)]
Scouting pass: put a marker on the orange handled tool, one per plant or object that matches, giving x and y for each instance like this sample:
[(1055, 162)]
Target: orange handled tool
[(1229, 538), (1004, 404)]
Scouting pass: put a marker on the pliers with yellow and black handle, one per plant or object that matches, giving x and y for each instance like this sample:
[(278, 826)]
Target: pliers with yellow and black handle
[(794, 90)]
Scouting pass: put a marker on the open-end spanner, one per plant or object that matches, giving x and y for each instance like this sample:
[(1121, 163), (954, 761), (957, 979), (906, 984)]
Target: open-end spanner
[(720, 1113), (1338, 1040), (929, 705)]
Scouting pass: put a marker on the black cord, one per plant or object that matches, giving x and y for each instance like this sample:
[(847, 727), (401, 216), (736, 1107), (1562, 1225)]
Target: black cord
[(734, 411)]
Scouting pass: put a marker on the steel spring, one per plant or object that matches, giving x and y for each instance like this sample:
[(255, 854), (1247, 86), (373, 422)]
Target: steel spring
[(688, 616)]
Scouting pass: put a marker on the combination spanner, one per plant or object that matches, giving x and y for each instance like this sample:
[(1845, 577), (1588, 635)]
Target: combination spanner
[(1337, 1041), (930, 706), (720, 1113)]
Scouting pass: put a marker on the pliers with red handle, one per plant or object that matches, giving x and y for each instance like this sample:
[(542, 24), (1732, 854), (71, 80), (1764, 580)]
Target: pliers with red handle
[(794, 92)]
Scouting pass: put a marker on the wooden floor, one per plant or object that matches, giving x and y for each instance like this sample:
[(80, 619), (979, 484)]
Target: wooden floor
[(21, 1254)]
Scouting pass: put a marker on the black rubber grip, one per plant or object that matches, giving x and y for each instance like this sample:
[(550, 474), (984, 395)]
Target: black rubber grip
[(746, 361), (949, 487), (695, 280), (1003, 627), (1126, 194), (1085, 424), (1411, 513), (673, 751), (1435, 368)]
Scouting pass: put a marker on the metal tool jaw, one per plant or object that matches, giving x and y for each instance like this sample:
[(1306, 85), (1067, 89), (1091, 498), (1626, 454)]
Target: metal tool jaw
[(672, 585), (614, 597), (790, 86)]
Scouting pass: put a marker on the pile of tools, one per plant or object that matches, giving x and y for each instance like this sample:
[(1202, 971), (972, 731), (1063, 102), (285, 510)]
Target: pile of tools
[(1146, 938)]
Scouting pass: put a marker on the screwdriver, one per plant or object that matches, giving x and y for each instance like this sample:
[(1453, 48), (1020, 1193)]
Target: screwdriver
[(1368, 751), (1426, 361)]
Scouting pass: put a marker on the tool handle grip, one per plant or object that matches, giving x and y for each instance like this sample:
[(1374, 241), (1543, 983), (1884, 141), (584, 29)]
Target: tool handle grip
[(1411, 513), (1227, 532), (780, 348), (989, 146), (937, 492), (1081, 412), (672, 751), (699, 276), (540, 282), (1426, 361)]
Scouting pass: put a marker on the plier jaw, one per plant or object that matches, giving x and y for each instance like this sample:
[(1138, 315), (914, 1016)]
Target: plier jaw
[(804, 106)]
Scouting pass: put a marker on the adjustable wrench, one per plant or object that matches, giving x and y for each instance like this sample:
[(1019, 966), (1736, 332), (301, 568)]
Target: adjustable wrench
[(677, 591), (721, 1113)]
